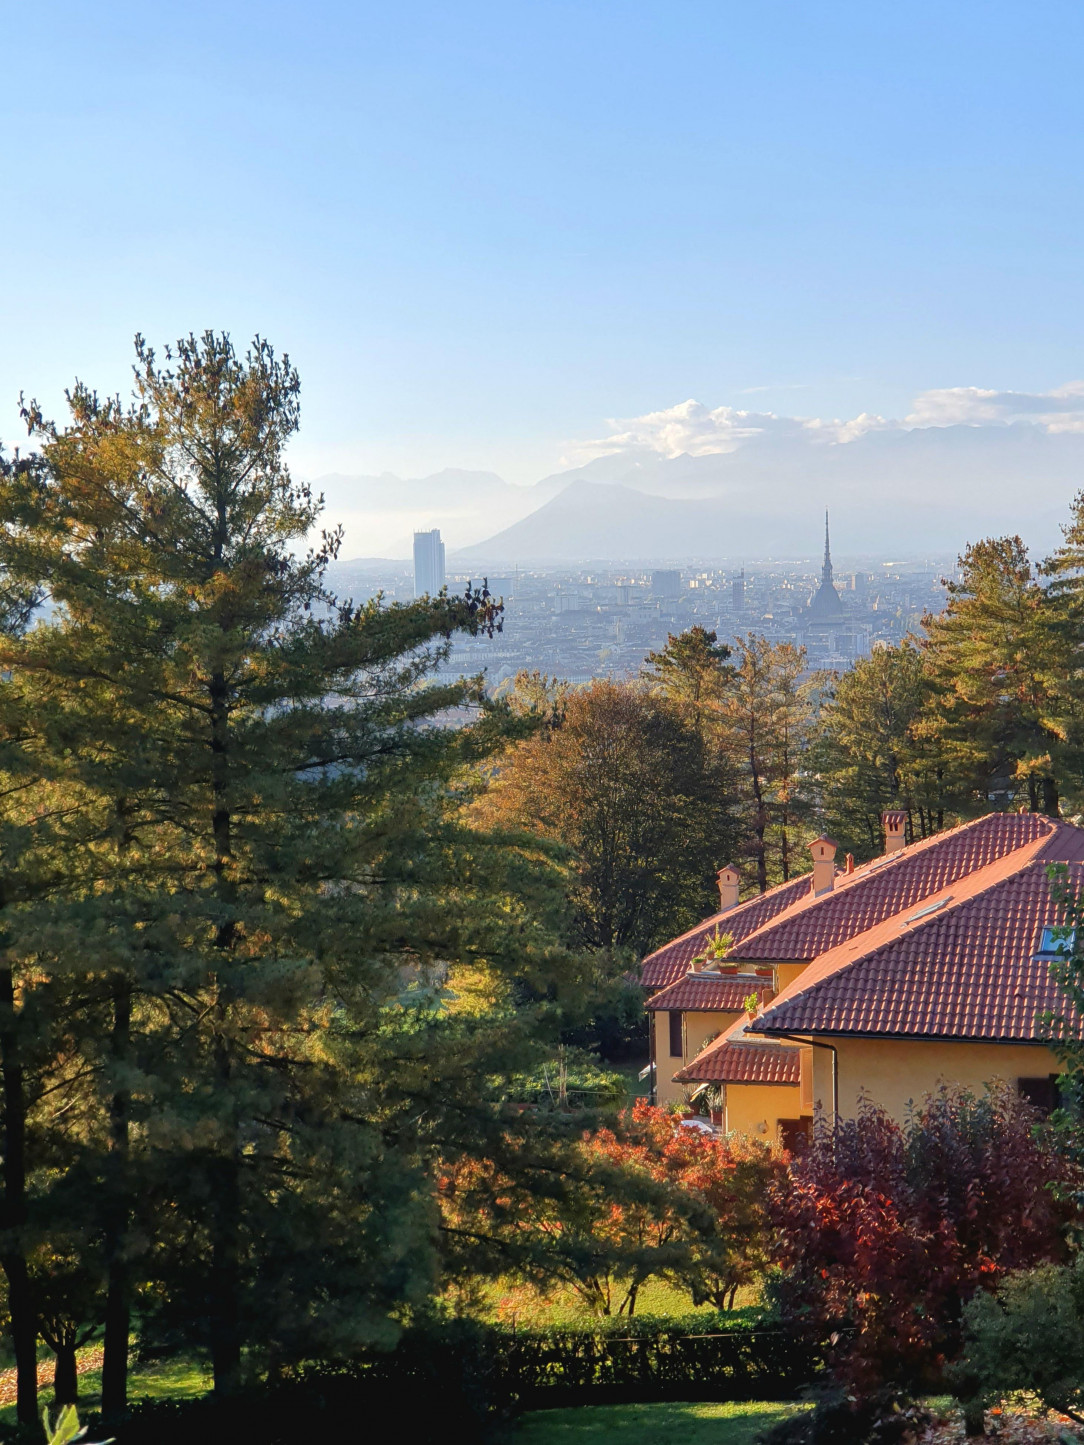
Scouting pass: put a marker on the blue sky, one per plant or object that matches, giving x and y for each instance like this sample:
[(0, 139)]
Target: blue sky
[(482, 230)]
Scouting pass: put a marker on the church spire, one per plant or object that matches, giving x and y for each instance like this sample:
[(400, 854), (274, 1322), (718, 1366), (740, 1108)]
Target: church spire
[(825, 605), (826, 570)]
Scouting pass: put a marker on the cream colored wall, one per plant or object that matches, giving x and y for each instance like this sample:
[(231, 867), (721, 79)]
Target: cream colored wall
[(895, 1071), (788, 972), (698, 1030), (757, 1108)]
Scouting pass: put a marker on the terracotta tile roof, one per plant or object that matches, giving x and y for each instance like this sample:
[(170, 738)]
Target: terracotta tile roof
[(672, 960), (725, 1062), (888, 886), (705, 993), (967, 970)]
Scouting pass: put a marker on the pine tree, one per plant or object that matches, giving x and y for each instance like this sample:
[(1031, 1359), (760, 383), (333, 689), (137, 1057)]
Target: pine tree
[(285, 881), (868, 755), (1001, 708), (691, 670), (765, 715)]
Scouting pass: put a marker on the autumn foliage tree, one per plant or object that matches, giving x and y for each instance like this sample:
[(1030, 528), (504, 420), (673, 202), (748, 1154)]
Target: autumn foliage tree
[(623, 778), (886, 1230), (645, 1199)]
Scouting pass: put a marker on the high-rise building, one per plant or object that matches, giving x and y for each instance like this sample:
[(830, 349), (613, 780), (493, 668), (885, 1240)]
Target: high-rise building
[(737, 592), (428, 563), (666, 584)]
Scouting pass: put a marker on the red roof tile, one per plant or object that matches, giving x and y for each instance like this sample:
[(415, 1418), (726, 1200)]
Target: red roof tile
[(706, 993), (893, 885), (672, 960), (967, 972), (725, 1062)]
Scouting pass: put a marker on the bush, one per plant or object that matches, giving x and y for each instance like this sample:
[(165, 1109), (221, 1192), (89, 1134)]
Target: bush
[(887, 1230), (1029, 1336)]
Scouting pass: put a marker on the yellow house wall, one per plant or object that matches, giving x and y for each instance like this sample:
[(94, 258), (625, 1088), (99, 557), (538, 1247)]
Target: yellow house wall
[(787, 972), (757, 1108), (894, 1072), (698, 1029)]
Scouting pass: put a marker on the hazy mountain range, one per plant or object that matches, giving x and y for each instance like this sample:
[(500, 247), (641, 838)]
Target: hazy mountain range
[(892, 488)]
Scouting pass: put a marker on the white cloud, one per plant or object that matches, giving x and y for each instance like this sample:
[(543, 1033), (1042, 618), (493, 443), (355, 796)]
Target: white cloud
[(692, 429), (1059, 410)]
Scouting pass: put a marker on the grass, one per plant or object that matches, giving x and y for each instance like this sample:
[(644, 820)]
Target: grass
[(684, 1423), (173, 1379), (505, 1302)]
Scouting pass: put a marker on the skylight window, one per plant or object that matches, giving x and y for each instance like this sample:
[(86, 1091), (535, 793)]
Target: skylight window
[(930, 908), (1056, 942)]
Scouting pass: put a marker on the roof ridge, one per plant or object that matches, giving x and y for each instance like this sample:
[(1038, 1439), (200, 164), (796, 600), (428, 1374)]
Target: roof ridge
[(952, 910), (887, 862), (716, 918)]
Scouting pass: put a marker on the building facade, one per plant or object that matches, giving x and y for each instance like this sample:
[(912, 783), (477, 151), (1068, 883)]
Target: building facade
[(428, 563), (930, 964)]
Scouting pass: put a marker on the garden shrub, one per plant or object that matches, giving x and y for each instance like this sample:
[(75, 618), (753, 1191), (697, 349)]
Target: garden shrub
[(839, 1418), (1027, 1337)]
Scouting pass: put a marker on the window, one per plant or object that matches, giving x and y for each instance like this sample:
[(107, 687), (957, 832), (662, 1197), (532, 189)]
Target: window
[(1056, 942), (1043, 1094), (676, 1051)]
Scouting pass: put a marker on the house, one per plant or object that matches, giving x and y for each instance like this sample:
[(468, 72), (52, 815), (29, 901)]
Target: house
[(930, 963)]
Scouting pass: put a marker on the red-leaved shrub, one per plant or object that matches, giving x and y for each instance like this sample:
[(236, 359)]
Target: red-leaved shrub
[(885, 1231)]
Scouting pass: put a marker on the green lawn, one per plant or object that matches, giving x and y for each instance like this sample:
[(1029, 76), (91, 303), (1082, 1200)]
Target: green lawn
[(175, 1379), (688, 1423)]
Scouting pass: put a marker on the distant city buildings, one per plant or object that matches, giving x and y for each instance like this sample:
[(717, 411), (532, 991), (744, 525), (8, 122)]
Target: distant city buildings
[(428, 563), (581, 623)]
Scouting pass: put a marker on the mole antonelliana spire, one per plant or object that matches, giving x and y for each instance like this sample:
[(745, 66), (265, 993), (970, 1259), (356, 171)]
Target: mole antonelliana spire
[(825, 602)]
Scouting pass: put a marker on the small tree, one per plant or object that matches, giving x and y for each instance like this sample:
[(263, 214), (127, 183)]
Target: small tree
[(646, 1198)]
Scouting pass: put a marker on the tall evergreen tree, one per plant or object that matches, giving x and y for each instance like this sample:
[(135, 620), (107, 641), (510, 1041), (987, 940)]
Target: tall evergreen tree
[(868, 755), (1001, 707), (262, 929), (765, 715), (691, 670)]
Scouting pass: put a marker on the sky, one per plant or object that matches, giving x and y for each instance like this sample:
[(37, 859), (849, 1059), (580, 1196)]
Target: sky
[(496, 235)]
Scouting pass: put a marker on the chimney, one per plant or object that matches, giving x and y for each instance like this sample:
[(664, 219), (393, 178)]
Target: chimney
[(849, 865), (729, 883), (824, 864), (895, 836)]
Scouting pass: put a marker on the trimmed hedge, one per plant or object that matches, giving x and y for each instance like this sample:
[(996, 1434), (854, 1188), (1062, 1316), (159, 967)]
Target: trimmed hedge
[(701, 1357), (461, 1379)]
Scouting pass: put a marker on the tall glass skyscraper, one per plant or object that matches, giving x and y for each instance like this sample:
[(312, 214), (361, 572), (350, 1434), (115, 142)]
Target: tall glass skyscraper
[(428, 563)]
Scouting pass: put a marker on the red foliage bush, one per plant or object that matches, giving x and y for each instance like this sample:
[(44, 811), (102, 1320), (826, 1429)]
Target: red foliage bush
[(885, 1231)]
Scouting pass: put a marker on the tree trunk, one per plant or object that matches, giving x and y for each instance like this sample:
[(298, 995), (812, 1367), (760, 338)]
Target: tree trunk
[(65, 1373), (974, 1418), (24, 1325), (226, 1281), (117, 1304), (759, 824), (1051, 801), (225, 1323)]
